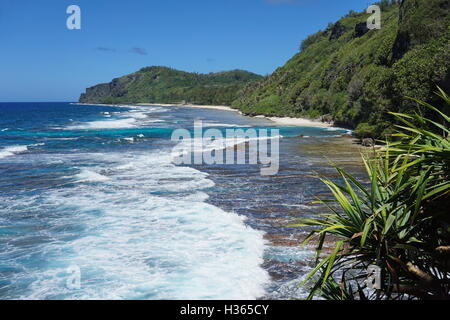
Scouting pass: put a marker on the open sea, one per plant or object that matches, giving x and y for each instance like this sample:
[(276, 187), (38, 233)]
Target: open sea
[(93, 207)]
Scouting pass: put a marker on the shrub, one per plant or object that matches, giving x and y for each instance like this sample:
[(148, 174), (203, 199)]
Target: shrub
[(365, 130), (399, 222)]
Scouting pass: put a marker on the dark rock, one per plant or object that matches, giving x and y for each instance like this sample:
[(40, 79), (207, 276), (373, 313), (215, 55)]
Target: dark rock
[(368, 142), (337, 31), (360, 29), (116, 88), (403, 39), (327, 118), (401, 45)]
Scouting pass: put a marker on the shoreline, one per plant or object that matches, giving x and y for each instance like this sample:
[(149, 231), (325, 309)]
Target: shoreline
[(222, 108), (300, 122), (277, 243), (287, 121), (282, 121)]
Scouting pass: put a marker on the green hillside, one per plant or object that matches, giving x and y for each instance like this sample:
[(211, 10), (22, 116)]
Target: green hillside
[(166, 85), (354, 75)]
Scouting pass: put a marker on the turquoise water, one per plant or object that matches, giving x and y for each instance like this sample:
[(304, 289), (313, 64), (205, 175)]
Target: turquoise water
[(94, 189)]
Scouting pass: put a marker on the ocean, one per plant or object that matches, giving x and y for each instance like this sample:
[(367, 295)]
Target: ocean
[(93, 207)]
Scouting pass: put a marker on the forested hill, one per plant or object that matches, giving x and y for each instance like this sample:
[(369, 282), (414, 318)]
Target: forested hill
[(355, 75), (166, 85)]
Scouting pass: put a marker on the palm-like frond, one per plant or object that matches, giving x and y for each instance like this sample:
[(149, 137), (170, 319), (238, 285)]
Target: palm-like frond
[(394, 222)]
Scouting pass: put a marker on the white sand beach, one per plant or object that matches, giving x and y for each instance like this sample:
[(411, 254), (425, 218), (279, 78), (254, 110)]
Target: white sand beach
[(286, 121), (301, 122)]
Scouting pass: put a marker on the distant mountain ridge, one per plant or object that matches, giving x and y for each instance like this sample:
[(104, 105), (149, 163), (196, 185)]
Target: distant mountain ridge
[(166, 85)]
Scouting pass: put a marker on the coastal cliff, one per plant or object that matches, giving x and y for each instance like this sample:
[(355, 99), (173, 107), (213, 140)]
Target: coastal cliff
[(355, 76), (166, 85)]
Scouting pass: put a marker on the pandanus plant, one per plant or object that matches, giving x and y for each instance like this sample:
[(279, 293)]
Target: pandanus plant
[(399, 222)]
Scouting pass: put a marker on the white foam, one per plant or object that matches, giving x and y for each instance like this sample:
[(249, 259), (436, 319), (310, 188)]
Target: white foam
[(221, 125), (154, 109), (141, 113), (155, 120), (137, 115), (347, 131), (145, 232), (63, 139), (148, 109), (106, 124), (203, 145), (12, 150), (90, 176), (125, 166), (128, 119)]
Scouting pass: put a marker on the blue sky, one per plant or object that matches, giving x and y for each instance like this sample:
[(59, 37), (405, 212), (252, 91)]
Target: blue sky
[(41, 60)]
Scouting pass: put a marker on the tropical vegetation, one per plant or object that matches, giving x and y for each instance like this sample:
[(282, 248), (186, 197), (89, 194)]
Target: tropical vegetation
[(345, 73), (167, 85), (354, 75), (398, 222)]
